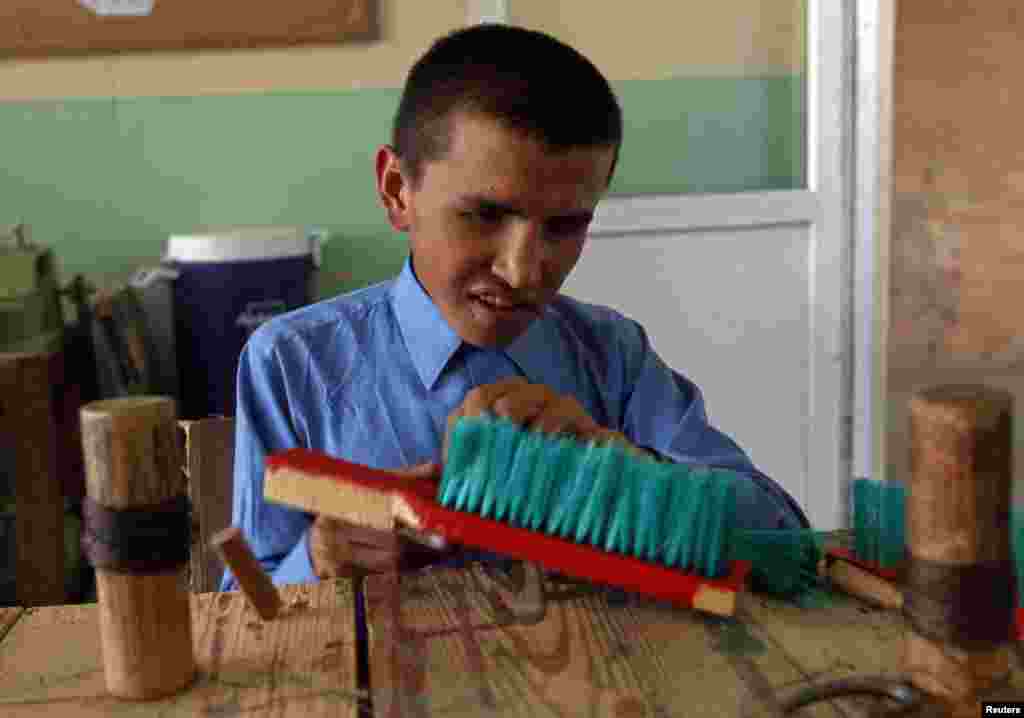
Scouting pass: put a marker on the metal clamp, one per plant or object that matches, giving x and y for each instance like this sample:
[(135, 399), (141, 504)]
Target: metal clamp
[(906, 697), (770, 703)]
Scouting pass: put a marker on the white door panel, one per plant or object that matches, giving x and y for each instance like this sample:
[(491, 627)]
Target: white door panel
[(730, 310)]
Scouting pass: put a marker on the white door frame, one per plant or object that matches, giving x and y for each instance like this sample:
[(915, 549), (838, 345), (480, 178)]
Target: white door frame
[(826, 209), (876, 21)]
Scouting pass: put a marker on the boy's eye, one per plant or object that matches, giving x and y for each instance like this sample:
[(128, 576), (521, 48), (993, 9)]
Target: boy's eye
[(487, 214), (567, 226)]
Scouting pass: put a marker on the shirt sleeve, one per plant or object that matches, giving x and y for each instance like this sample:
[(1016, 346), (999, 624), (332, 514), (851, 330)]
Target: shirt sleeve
[(264, 424), (665, 412)]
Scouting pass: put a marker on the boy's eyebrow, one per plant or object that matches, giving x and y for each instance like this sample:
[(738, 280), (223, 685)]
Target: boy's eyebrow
[(484, 202)]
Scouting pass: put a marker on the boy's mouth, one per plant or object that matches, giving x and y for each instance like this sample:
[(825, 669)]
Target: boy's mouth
[(503, 308)]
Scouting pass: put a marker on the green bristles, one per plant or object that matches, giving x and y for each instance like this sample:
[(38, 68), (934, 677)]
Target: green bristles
[(653, 512), (1017, 537), (601, 495), (785, 563), (599, 504), (723, 501), (878, 521), (506, 439), (879, 525)]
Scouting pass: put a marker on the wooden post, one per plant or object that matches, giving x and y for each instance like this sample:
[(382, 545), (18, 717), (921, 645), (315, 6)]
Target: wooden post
[(28, 431), (132, 462), (959, 592)]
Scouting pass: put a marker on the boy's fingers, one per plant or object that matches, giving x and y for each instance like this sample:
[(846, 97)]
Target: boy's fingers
[(522, 407), (565, 416), (553, 424), (427, 470), (482, 398)]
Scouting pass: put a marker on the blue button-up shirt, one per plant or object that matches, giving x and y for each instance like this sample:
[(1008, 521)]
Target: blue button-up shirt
[(372, 376)]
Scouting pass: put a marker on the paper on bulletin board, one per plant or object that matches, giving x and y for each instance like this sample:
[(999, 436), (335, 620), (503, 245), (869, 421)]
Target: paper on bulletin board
[(119, 7)]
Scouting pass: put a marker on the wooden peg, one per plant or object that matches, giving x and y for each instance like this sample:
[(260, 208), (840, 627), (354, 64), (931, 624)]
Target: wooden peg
[(255, 583), (133, 465), (862, 584)]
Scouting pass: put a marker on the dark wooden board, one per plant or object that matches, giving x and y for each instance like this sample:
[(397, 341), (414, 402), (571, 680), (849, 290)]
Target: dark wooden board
[(42, 28)]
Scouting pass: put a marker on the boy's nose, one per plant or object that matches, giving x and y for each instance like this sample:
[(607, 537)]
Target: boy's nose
[(520, 258)]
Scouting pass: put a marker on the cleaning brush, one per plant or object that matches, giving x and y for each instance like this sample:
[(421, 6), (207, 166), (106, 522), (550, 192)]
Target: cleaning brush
[(877, 511), (590, 510), (878, 520), (677, 515), (879, 540)]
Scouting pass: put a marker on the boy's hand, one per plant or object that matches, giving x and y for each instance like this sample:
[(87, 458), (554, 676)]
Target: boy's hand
[(537, 407), (341, 549)]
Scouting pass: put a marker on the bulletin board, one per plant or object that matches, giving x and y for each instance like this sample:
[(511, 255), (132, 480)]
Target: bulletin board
[(49, 28)]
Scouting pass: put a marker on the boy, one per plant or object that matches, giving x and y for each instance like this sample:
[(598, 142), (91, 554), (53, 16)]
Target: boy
[(504, 142)]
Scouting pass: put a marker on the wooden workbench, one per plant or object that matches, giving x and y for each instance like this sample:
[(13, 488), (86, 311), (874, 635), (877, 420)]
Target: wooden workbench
[(303, 663), (468, 643)]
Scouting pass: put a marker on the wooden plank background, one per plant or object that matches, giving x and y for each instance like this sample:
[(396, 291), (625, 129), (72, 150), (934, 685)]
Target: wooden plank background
[(958, 173), (28, 426), (302, 663), (38, 28), (209, 461)]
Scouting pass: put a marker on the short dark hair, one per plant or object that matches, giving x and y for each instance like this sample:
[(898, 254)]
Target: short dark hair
[(525, 79)]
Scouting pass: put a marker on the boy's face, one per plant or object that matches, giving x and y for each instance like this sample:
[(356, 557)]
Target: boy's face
[(496, 226)]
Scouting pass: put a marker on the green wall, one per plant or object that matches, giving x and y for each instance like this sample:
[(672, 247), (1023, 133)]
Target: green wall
[(105, 181)]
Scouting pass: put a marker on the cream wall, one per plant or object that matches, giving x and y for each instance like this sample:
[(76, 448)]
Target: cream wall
[(629, 41), (672, 38)]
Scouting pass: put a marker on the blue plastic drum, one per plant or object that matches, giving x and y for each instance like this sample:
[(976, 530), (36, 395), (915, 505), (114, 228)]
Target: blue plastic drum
[(229, 282)]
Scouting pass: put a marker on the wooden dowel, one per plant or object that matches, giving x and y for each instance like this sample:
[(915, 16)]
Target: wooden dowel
[(252, 579), (957, 513), (863, 584), (132, 461)]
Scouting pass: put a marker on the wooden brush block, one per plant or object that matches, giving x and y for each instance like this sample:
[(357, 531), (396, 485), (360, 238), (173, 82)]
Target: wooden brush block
[(378, 499), (359, 494)]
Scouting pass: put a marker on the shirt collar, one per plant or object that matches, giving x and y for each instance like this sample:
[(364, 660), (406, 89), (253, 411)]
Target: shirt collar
[(432, 342), (535, 350)]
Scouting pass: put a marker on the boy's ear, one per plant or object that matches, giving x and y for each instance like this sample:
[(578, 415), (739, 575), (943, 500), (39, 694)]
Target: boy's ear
[(392, 188)]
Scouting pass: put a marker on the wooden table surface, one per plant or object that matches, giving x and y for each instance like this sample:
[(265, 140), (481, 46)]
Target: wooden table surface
[(468, 643), (302, 663)]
